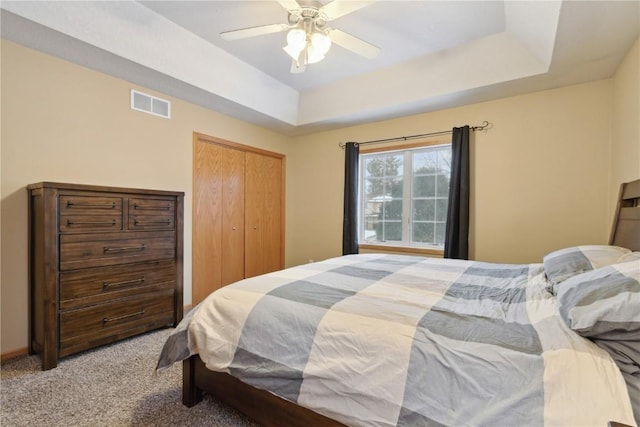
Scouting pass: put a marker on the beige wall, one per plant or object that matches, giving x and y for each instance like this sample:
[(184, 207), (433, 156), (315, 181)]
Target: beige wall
[(65, 123), (625, 133), (542, 175)]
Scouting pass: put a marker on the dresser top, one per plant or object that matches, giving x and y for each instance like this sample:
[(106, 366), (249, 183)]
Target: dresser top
[(100, 188)]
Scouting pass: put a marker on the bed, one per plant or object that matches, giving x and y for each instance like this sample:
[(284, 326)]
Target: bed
[(385, 340)]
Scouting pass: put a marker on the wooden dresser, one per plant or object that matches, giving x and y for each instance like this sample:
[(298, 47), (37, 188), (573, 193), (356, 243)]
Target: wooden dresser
[(105, 263)]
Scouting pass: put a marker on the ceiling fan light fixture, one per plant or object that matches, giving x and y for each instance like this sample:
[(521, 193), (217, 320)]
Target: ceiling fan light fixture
[(296, 42), (315, 45), (318, 47), (293, 52), (313, 57), (321, 42), (296, 38)]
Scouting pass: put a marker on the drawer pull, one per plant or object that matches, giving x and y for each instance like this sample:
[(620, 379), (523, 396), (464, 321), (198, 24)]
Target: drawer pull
[(126, 316), (107, 285), (151, 208), (92, 223), (156, 223), (107, 249), (111, 205)]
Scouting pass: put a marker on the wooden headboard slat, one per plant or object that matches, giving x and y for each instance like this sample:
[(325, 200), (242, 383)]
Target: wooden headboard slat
[(626, 223), (631, 190)]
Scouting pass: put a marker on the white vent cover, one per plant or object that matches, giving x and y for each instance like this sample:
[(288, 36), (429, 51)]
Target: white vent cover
[(150, 104)]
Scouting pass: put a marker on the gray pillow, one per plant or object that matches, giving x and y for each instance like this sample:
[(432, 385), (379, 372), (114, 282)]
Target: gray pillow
[(565, 263), (603, 303)]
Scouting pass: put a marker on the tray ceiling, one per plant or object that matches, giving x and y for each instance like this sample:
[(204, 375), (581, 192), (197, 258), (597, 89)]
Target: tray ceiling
[(433, 54)]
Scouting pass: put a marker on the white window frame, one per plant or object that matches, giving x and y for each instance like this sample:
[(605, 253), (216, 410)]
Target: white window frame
[(406, 245)]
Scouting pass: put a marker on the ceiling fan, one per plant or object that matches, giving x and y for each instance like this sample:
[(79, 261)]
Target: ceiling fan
[(308, 36)]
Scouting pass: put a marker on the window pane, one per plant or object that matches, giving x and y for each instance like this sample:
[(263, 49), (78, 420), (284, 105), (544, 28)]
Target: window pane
[(394, 187), (376, 186), (424, 210), (444, 160), (442, 185), (392, 231), (440, 228), (441, 209), (370, 228), (423, 232), (425, 162), (392, 210), (374, 234), (385, 231), (424, 186), (383, 166)]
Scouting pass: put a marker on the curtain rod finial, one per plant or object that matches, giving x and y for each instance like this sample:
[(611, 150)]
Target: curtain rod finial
[(485, 125)]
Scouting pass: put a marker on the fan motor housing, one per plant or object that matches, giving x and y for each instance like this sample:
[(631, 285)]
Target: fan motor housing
[(307, 13)]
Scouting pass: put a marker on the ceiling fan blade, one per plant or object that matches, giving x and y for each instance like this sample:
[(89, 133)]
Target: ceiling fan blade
[(253, 31), (354, 44), (289, 4), (338, 8)]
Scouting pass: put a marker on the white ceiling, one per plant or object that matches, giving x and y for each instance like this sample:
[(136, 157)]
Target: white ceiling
[(433, 54)]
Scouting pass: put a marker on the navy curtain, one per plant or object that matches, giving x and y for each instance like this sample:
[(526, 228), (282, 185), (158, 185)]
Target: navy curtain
[(350, 221), (456, 241)]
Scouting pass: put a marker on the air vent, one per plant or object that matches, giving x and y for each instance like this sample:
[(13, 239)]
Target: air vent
[(150, 104)]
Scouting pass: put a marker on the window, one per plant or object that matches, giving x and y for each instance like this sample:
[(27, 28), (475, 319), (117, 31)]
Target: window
[(403, 197)]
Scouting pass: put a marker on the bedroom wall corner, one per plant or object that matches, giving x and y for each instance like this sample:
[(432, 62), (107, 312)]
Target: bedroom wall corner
[(625, 133)]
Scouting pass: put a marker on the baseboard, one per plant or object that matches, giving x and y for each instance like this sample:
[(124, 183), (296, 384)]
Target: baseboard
[(13, 354)]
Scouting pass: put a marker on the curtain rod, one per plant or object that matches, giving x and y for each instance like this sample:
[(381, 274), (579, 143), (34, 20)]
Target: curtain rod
[(485, 124)]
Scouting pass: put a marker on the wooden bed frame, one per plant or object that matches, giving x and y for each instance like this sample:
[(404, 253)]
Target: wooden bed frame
[(265, 408), (270, 410)]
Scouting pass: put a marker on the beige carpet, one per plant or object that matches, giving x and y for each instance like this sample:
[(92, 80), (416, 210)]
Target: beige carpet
[(110, 386)]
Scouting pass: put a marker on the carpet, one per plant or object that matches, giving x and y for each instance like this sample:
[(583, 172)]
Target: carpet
[(114, 385)]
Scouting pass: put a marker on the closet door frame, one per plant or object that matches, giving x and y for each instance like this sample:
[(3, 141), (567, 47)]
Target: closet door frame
[(199, 138)]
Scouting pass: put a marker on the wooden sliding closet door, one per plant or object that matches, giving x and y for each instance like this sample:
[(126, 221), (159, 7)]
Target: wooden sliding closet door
[(263, 214), (233, 228), (218, 218), (238, 213)]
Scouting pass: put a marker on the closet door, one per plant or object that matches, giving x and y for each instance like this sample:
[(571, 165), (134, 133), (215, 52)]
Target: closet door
[(263, 214), (218, 218), (233, 228)]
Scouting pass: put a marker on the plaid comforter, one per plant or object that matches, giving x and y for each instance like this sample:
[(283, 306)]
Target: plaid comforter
[(385, 340)]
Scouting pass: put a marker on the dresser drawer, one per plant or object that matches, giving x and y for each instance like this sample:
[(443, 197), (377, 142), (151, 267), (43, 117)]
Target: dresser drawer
[(95, 325), (90, 205), (96, 285), (152, 214), (90, 213), (150, 206), (100, 250), (88, 223)]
